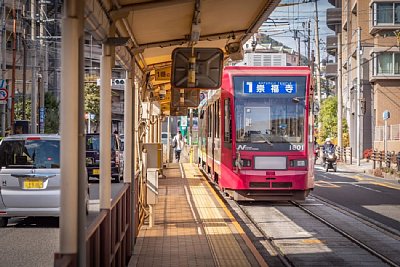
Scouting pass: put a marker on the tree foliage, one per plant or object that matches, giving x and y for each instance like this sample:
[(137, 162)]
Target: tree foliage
[(18, 108), (92, 101), (52, 119), (329, 122)]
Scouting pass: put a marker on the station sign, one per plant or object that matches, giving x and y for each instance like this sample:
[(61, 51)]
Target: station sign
[(163, 74), (269, 87)]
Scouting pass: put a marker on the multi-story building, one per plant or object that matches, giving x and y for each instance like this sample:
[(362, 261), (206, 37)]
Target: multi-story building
[(43, 56), (256, 54), (384, 74), (379, 68), (357, 105)]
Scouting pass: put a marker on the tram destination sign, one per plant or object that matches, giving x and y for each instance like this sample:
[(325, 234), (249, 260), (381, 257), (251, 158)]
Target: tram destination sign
[(270, 87)]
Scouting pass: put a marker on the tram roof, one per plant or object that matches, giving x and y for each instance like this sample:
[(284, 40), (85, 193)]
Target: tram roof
[(155, 27)]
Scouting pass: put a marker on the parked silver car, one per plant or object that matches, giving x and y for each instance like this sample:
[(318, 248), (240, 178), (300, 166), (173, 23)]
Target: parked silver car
[(29, 176)]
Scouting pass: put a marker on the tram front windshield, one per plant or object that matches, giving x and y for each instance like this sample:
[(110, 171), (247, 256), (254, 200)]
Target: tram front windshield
[(270, 112)]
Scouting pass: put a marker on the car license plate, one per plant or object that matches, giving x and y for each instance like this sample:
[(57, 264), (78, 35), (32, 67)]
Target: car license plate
[(33, 184), (96, 172)]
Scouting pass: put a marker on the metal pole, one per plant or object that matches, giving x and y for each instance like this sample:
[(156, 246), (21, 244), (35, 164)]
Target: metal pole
[(339, 92), (105, 129), (89, 122), (385, 137), (14, 58), (128, 128), (317, 54), (69, 128), (309, 43), (41, 63), (34, 79), (358, 98), (82, 178), (4, 67), (298, 43), (134, 147), (168, 139)]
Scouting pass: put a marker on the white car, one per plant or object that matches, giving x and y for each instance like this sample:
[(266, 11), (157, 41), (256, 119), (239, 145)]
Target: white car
[(29, 176)]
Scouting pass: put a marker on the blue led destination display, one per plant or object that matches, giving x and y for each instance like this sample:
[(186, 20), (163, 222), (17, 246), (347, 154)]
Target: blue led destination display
[(269, 87)]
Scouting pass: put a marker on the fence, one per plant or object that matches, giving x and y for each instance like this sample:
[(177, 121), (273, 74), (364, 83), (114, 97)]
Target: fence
[(393, 132), (390, 159), (345, 154)]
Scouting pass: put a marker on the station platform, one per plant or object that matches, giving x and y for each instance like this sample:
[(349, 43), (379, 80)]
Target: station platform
[(193, 227)]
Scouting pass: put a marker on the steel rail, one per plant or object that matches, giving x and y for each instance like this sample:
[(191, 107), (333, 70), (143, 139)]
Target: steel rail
[(348, 236)]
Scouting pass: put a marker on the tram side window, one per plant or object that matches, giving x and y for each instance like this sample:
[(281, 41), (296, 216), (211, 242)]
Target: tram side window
[(218, 118), (209, 121), (227, 120)]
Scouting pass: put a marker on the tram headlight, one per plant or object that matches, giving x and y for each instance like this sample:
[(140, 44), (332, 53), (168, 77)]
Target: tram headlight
[(298, 163)]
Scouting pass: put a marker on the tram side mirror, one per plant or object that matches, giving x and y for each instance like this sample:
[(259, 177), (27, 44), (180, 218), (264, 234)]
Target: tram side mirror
[(197, 68)]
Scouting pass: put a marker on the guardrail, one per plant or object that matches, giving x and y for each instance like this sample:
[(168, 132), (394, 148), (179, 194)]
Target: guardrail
[(345, 154), (108, 237), (390, 158)]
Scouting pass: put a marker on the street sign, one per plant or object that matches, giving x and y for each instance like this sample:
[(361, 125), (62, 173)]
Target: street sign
[(3, 94), (386, 115)]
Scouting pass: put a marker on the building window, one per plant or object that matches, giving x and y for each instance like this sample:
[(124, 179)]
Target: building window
[(387, 63), (386, 14)]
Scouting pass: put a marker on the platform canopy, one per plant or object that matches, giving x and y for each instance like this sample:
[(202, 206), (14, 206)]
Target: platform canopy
[(149, 30)]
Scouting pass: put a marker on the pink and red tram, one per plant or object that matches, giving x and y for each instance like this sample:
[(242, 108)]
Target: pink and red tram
[(256, 133)]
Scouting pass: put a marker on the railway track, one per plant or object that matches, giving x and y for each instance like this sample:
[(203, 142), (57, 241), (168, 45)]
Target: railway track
[(350, 237), (272, 245), (287, 261)]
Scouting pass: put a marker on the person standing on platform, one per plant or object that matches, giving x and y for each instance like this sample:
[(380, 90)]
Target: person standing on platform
[(177, 144)]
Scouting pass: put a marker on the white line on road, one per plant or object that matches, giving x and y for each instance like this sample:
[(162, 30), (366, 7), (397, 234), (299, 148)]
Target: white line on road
[(370, 189)]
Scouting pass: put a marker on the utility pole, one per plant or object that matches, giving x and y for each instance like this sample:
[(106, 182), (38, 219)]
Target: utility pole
[(296, 36), (24, 65), (4, 65), (42, 67), (14, 57), (339, 91), (358, 98), (317, 54), (33, 62), (309, 42)]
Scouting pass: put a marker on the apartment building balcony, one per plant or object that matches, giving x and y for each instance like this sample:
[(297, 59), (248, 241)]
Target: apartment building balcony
[(334, 18), (331, 44), (117, 108), (331, 70)]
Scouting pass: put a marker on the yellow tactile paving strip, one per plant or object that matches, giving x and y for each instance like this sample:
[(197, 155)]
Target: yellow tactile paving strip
[(191, 227)]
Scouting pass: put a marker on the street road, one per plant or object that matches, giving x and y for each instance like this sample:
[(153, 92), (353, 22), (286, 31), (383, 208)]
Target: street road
[(375, 198), (33, 241)]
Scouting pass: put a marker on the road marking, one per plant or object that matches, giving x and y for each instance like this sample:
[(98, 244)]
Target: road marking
[(326, 177), (386, 185), (370, 189), (326, 184)]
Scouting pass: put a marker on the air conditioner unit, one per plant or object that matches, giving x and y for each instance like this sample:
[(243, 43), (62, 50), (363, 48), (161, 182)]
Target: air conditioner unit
[(118, 81), (113, 82)]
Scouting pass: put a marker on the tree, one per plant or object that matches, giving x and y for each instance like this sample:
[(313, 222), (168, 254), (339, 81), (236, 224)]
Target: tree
[(18, 108), (328, 120), (92, 102), (52, 118), (52, 115)]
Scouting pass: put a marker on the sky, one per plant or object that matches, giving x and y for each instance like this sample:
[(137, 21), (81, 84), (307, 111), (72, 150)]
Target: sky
[(283, 22)]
